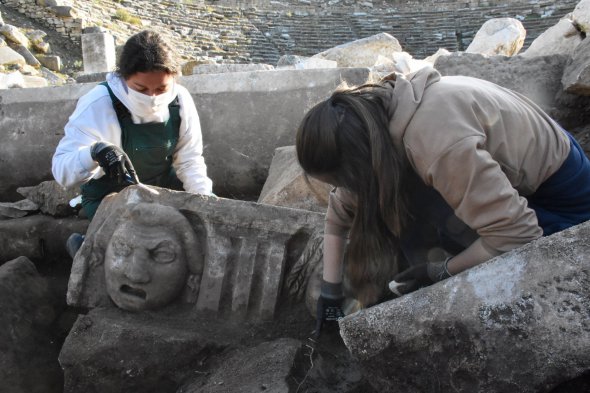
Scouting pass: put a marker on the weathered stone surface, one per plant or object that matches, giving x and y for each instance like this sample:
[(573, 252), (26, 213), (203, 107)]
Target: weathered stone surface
[(52, 198), (537, 78), (266, 367), (576, 75), (17, 209), (50, 61), (265, 108), (90, 78), (581, 15), (224, 68), (498, 36), (559, 39), (363, 52), (10, 56), (34, 82), (518, 323), (37, 237), (28, 349), (304, 63), (65, 11), (29, 58), (241, 251), (286, 185), (98, 52), (111, 350), (14, 34)]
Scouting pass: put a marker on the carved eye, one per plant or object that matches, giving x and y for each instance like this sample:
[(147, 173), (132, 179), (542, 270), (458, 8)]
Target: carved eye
[(120, 248), (163, 253)]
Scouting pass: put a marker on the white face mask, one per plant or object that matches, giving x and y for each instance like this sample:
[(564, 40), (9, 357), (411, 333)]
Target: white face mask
[(143, 105)]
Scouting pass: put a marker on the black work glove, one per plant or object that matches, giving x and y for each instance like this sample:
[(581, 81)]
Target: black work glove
[(329, 307), (419, 276), (114, 162)]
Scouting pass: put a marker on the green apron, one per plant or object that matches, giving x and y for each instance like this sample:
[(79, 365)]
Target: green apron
[(150, 148)]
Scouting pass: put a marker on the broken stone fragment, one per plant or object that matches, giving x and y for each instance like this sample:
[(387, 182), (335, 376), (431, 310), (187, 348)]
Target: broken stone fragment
[(225, 257), (498, 36), (52, 198), (17, 209), (576, 75), (363, 52), (14, 35), (518, 322)]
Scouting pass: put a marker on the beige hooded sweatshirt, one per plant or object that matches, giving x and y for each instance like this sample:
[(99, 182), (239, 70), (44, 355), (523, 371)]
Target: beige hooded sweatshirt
[(482, 147)]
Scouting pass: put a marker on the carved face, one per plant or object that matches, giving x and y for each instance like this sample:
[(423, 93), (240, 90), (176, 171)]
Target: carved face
[(145, 267)]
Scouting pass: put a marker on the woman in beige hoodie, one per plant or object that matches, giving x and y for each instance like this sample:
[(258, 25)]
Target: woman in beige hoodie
[(427, 162)]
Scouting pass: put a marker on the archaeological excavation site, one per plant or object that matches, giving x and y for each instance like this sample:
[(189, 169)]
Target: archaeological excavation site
[(180, 290)]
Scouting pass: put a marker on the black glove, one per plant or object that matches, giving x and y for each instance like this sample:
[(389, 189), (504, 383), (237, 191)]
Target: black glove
[(419, 276), (329, 307), (114, 162)]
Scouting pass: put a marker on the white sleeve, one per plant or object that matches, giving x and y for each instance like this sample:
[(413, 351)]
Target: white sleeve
[(93, 120), (188, 158)]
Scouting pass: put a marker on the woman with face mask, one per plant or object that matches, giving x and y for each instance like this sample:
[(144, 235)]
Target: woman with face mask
[(137, 126)]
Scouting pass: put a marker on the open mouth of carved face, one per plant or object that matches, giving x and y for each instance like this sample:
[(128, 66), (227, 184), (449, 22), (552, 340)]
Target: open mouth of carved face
[(136, 292)]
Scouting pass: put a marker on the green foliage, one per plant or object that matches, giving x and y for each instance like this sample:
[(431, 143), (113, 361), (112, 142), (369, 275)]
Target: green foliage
[(123, 15)]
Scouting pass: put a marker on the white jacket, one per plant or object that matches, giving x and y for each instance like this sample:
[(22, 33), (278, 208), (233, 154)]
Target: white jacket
[(95, 120)]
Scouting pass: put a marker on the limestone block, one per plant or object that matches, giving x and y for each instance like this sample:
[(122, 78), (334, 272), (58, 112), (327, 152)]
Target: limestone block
[(37, 236), (52, 78), (42, 47), (363, 52), (265, 367), (559, 39), (581, 15), (223, 68), (65, 11), (576, 75), (517, 323), (231, 264), (286, 185), (50, 61), (17, 209), (52, 198), (34, 81), (89, 78), (14, 34), (98, 52), (108, 349), (28, 56), (303, 63), (12, 80), (36, 36), (9, 56), (28, 355), (498, 36), (537, 78)]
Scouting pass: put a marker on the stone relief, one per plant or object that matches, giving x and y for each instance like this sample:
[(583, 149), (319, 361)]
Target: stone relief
[(148, 248)]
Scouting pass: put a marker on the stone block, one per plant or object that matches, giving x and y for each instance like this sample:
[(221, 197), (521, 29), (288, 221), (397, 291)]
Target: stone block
[(576, 75), (9, 56), (50, 61), (286, 185), (363, 52), (110, 350), (304, 63), (498, 36), (52, 198), (65, 11), (581, 15), (517, 323), (226, 257), (37, 236), (224, 68), (17, 209), (29, 347), (14, 35), (28, 56), (537, 78), (562, 38), (34, 81), (98, 52)]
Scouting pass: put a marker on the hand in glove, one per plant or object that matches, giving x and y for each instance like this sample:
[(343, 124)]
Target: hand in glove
[(329, 306), (419, 276), (114, 162)]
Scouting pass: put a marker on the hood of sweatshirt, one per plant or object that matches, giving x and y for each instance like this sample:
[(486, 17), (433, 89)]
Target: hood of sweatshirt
[(405, 97)]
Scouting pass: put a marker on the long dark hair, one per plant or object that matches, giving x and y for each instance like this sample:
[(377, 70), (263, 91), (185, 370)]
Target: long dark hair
[(145, 52), (347, 138)]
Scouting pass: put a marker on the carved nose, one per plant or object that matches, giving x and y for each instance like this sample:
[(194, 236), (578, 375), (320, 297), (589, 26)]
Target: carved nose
[(135, 269)]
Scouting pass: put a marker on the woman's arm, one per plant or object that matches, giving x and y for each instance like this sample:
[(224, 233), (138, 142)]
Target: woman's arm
[(333, 258)]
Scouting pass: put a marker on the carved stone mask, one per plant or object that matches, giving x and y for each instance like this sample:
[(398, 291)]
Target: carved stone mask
[(145, 264)]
